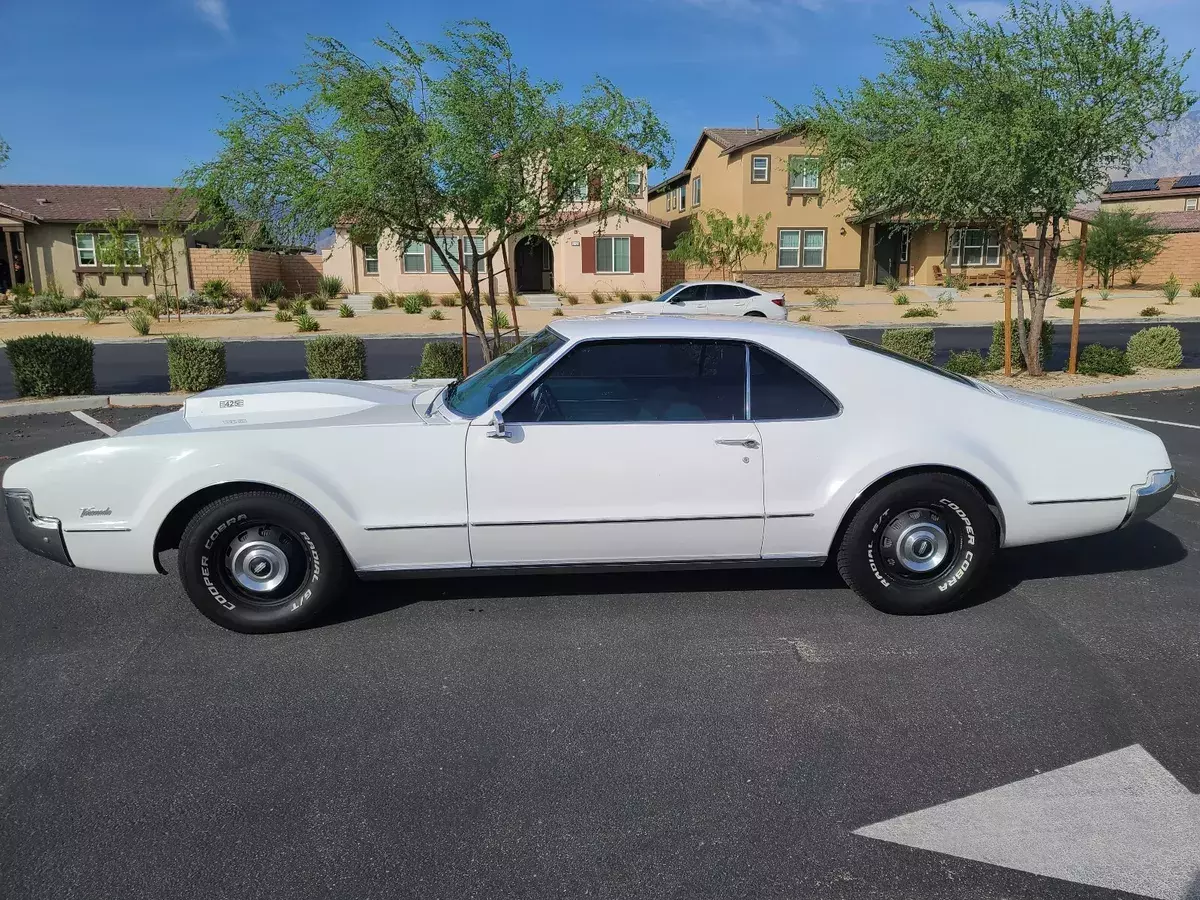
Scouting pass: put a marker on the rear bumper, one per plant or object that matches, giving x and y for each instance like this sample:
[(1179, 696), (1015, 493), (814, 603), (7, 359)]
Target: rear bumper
[(36, 534), (1147, 499)]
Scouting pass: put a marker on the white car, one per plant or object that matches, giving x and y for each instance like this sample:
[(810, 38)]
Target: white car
[(710, 298), (603, 441)]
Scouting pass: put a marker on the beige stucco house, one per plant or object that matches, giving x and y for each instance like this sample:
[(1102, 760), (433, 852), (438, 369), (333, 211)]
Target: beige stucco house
[(48, 235), (582, 251), (819, 240)]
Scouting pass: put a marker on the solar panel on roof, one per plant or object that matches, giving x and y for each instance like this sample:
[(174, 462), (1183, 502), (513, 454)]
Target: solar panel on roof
[(1188, 181), (1135, 184)]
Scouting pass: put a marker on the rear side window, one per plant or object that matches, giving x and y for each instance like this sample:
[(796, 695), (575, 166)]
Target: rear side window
[(909, 361), (778, 390)]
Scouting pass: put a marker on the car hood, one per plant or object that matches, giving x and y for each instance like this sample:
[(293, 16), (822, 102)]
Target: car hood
[(290, 403)]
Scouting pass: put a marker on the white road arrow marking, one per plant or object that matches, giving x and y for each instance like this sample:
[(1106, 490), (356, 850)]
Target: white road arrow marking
[(1118, 821)]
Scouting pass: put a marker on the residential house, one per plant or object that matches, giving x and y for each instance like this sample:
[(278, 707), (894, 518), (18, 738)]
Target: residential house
[(49, 234), (819, 240), (581, 251)]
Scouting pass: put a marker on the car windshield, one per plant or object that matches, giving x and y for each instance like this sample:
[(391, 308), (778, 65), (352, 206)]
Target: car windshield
[(473, 395), (668, 294)]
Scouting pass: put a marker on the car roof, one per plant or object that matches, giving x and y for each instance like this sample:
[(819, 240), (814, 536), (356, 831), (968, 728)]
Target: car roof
[(730, 283), (750, 328)]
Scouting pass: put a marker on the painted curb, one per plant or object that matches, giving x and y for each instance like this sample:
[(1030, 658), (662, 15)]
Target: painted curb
[(51, 405)]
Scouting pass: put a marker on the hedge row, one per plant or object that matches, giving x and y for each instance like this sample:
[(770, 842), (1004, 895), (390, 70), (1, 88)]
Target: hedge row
[(440, 359), (51, 365), (336, 356), (195, 364)]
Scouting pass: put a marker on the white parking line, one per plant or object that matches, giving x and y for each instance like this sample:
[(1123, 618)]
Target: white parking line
[(99, 426), (1156, 421), (1186, 497)]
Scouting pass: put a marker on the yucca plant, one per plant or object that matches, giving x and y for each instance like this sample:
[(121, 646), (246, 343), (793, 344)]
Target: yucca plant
[(319, 303), (346, 311), (498, 321), (283, 315), (307, 323), (412, 304), (330, 285), (272, 290), (92, 311), (379, 301), (140, 321), (436, 314)]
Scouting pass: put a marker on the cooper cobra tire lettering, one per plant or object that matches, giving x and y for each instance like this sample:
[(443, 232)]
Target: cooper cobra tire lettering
[(212, 588)]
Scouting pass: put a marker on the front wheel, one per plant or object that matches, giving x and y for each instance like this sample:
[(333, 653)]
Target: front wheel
[(259, 562), (918, 545)]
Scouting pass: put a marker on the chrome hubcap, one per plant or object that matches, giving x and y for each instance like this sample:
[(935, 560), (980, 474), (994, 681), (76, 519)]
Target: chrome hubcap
[(257, 559), (916, 543)]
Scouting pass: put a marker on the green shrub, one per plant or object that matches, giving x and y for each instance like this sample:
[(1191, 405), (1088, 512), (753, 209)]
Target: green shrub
[(412, 304), (255, 304), (1105, 293), (92, 311), (115, 304), (140, 321), (1155, 348), (900, 299), (437, 315), (150, 306), (54, 304), (498, 321), (306, 322), (319, 303), (995, 356), (825, 301), (88, 292), (216, 289), (426, 298), (1170, 289), (1069, 302), (1150, 312), (23, 290), (195, 364), (557, 311), (329, 285), (645, 298), (336, 356), (1096, 359), (914, 342), (968, 362), (957, 282), (20, 307), (624, 296), (51, 365), (804, 317), (299, 306), (598, 297), (891, 284), (572, 299), (283, 315), (1194, 290), (379, 301), (945, 301), (53, 292), (283, 303), (440, 359), (346, 311), (448, 300), (272, 290), (924, 311)]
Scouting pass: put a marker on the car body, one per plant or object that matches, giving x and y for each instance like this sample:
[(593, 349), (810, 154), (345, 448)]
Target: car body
[(710, 298), (604, 441)]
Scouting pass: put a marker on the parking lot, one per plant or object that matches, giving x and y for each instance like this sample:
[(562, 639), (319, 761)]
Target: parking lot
[(663, 735)]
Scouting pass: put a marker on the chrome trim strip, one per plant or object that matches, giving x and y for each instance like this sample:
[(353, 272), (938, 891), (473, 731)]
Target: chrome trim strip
[(412, 527), (790, 515), (96, 530), (616, 521), (1085, 500)]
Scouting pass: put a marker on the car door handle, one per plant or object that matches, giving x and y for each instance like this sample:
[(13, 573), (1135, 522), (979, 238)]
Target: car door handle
[(748, 443)]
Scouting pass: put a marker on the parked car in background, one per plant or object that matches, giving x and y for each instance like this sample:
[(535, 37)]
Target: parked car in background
[(599, 441), (710, 298)]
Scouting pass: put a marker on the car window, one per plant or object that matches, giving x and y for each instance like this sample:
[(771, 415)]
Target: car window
[(640, 381), (723, 292), (744, 292), (474, 395), (778, 390), (690, 293)]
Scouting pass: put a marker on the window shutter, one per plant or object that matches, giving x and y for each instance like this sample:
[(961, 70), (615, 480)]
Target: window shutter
[(637, 255), (588, 248)]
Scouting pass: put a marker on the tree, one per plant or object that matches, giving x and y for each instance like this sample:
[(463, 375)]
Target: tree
[(1119, 240), (1007, 123), (721, 243), (3, 153), (428, 141)]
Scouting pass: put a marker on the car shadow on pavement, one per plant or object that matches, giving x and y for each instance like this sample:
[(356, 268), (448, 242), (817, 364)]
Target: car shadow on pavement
[(1145, 546)]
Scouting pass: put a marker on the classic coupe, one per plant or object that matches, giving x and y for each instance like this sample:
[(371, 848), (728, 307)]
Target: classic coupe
[(609, 441)]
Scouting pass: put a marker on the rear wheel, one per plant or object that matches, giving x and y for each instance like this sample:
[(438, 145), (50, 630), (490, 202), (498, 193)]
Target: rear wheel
[(259, 562), (918, 545), (756, 314)]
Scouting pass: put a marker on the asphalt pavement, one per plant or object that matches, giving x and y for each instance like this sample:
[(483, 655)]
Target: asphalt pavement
[(662, 735), (137, 367)]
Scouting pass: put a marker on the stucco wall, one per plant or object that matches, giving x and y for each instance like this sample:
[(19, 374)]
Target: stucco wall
[(50, 255), (1166, 204), (570, 278)]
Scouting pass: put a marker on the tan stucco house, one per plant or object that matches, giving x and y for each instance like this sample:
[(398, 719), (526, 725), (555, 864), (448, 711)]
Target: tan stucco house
[(819, 240), (582, 251), (48, 235)]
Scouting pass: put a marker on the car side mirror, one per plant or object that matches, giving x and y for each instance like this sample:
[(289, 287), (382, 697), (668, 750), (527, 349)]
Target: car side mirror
[(675, 300), (497, 430)]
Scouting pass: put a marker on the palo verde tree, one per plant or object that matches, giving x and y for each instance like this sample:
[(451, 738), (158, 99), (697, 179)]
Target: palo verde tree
[(428, 143), (1008, 123), (3, 153), (1117, 241), (722, 244)]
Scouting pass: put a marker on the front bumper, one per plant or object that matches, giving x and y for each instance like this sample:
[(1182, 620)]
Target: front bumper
[(1147, 499), (36, 534)]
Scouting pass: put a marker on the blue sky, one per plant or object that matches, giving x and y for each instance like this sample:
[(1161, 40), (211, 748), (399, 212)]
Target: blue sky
[(98, 103)]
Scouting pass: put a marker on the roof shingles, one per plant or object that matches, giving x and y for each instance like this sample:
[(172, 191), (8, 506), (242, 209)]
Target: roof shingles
[(76, 203)]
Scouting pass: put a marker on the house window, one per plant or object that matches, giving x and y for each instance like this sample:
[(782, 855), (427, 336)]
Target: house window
[(579, 191), (473, 255), (696, 191), (449, 246), (760, 169), (612, 256), (974, 247), (1190, 203), (371, 259), (804, 173), (633, 183), (801, 248), (670, 200), (85, 249), (108, 254), (905, 237), (132, 244), (414, 257), (681, 196)]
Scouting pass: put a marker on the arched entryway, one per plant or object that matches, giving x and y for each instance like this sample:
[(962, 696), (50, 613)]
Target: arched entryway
[(533, 260)]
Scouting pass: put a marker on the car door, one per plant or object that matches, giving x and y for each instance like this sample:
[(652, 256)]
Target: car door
[(727, 300), (625, 450), (690, 301)]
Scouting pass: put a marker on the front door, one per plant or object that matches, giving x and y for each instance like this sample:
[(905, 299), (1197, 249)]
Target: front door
[(633, 450), (689, 301), (533, 260)]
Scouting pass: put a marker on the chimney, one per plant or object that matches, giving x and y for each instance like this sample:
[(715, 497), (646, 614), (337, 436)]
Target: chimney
[(756, 128)]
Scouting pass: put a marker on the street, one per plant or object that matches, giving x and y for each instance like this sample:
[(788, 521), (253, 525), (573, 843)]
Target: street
[(716, 734), (142, 367)]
